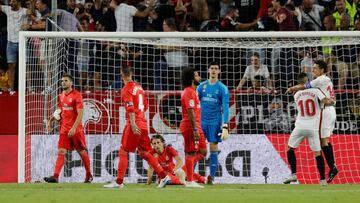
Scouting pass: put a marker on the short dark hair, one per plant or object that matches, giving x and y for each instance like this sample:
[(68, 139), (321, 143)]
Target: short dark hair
[(187, 76), (171, 23), (282, 2), (68, 76), (322, 65), (214, 63), (256, 54), (158, 136), (301, 77), (127, 71)]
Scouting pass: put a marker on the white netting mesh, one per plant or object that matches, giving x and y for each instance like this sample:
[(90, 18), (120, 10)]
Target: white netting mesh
[(260, 120)]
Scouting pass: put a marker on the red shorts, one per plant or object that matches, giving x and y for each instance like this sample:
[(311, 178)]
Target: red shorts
[(189, 141), (130, 142), (76, 142)]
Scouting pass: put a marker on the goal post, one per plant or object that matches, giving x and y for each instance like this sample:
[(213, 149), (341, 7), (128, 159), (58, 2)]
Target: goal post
[(260, 119)]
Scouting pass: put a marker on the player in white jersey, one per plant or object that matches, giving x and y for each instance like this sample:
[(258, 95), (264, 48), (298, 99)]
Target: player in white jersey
[(309, 106), (324, 83)]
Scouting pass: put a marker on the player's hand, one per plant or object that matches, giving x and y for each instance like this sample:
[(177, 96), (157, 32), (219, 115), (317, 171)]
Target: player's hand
[(224, 132), (136, 130), (289, 90), (196, 135), (71, 132), (49, 125)]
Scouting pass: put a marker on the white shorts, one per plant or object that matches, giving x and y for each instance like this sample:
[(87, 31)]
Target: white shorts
[(328, 119), (298, 135)]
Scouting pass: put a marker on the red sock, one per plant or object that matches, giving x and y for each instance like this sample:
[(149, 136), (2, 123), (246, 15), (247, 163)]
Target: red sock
[(153, 162), (174, 180), (86, 161), (122, 166), (198, 178), (59, 164), (189, 163)]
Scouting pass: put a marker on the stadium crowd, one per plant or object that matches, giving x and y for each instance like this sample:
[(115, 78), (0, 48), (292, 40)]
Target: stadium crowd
[(180, 15)]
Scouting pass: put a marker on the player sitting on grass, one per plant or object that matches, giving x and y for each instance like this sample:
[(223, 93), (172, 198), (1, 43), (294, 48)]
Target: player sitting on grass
[(165, 155)]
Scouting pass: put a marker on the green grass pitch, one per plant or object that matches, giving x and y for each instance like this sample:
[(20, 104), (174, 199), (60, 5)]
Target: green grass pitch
[(78, 193)]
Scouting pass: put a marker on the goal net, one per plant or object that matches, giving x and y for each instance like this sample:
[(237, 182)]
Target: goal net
[(261, 114)]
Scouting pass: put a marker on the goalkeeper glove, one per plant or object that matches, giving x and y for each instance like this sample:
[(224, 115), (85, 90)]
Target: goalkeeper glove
[(225, 132)]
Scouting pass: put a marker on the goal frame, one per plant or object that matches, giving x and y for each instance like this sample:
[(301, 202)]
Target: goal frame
[(116, 35)]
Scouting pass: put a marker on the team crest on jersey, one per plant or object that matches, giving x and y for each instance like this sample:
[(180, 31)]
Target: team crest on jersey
[(191, 103), (96, 119)]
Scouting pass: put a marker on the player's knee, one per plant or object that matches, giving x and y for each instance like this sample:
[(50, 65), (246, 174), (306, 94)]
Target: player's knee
[(317, 153), (203, 152), (325, 142), (62, 151), (290, 148)]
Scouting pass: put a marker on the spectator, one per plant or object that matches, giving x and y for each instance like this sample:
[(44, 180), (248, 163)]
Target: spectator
[(4, 78), (258, 84), (230, 22), (103, 13), (307, 65), (338, 71), (16, 16), (163, 10), (175, 59), (211, 25), (357, 24), (45, 12), (70, 6), (345, 22), (200, 12), (248, 10), (311, 14), (284, 17), (256, 68), (353, 81), (341, 7), (124, 14)]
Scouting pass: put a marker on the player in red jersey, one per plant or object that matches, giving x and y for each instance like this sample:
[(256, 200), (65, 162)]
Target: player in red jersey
[(135, 134), (70, 104), (194, 139), (166, 155)]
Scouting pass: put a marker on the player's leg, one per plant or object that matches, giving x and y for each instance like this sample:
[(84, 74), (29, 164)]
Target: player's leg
[(294, 141), (79, 143), (192, 155), (128, 144), (63, 145), (315, 146), (212, 135), (327, 127)]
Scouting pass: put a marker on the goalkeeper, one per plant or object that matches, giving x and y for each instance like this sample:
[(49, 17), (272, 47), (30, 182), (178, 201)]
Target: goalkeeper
[(214, 100)]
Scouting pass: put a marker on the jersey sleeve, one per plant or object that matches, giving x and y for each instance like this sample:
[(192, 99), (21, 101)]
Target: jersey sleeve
[(173, 152), (320, 94), (225, 103), (318, 82), (247, 73), (189, 98), (79, 101), (127, 100), (132, 10), (59, 105), (5, 9), (266, 72)]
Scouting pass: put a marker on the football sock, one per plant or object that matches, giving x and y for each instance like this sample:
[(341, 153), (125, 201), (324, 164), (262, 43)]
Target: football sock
[(292, 160), (153, 162), (86, 161), (122, 166), (329, 155), (174, 180), (321, 166), (189, 163), (59, 164), (213, 163), (198, 178)]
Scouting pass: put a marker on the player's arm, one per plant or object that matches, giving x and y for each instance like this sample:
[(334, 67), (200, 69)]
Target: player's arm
[(146, 12), (225, 109), (178, 163), (192, 119), (150, 173), (136, 130), (78, 120), (328, 101), (295, 88)]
